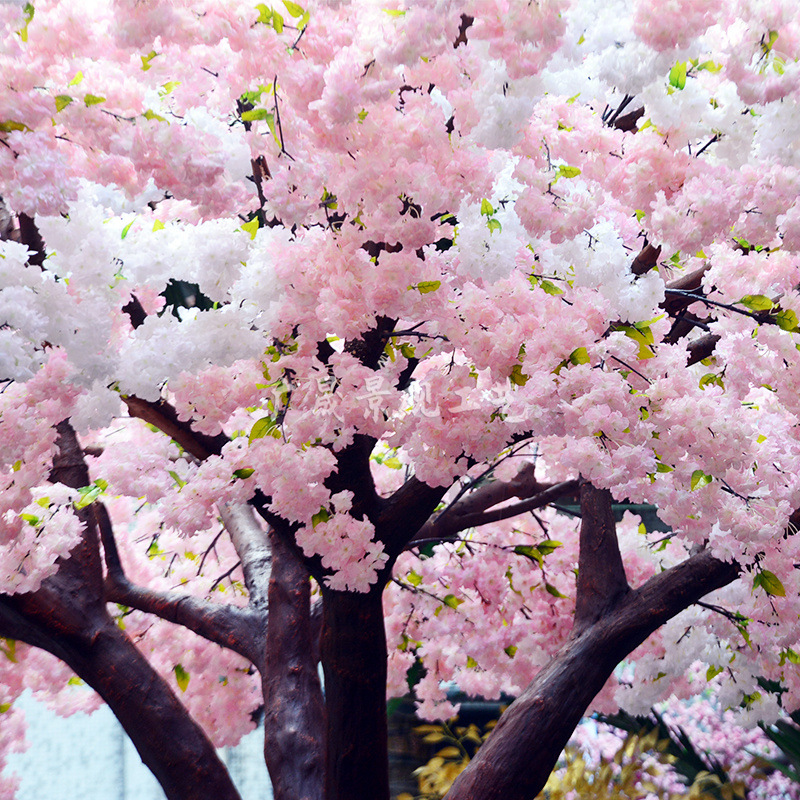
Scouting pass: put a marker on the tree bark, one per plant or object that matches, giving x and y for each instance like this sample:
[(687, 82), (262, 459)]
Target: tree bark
[(354, 661), (294, 710)]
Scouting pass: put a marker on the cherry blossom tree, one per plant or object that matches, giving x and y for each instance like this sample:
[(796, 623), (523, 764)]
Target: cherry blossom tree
[(311, 317)]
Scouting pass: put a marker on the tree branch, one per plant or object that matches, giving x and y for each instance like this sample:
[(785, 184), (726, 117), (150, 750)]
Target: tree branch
[(239, 629), (251, 543), (601, 574), (516, 760), (164, 417), (460, 517)]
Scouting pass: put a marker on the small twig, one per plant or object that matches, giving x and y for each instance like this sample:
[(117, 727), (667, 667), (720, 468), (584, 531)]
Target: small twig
[(278, 118), (224, 575)]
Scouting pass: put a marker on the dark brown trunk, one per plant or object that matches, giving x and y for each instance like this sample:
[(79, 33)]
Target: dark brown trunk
[(354, 661), (294, 710)]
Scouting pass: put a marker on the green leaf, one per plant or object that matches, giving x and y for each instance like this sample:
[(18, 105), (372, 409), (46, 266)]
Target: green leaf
[(4, 707), (181, 677), (580, 355), (493, 225), (394, 12), (294, 9), (757, 302), (787, 320), (9, 649), (168, 87), (255, 114), (425, 287), (664, 467), (321, 516), (264, 14), (770, 583), (639, 215), (392, 463), (158, 225), (180, 482), (277, 22), (677, 75), (511, 650), (700, 479), (127, 228), (62, 101), (261, 428), (88, 494), (568, 172), (147, 59), (12, 125), (243, 473), (452, 601), (487, 209), (77, 79), (517, 376), (250, 227), (529, 551), (549, 287), (471, 662), (548, 546), (553, 591), (150, 114), (413, 578), (643, 336), (712, 672), (93, 99), (31, 519)]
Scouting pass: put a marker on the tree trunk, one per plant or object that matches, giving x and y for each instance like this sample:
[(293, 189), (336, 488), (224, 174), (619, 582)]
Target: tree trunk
[(294, 711), (354, 662)]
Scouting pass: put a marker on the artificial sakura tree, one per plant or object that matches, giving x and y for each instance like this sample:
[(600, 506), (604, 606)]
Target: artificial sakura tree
[(311, 313)]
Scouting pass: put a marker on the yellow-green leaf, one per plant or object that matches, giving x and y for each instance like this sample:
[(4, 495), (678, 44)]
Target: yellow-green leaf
[(93, 99), (568, 172), (517, 376), (770, 583), (294, 9), (757, 302), (580, 355), (677, 75), (425, 287), (62, 101), (250, 227), (700, 479), (181, 677)]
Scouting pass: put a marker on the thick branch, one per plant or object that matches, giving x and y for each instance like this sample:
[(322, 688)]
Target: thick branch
[(165, 418), (460, 517), (239, 629), (405, 512), (251, 543), (601, 574), (516, 760)]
